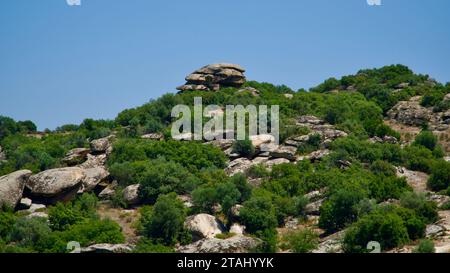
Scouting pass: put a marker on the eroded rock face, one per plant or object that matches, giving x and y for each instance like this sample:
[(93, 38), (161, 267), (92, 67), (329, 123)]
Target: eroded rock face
[(236, 244), (94, 161), (11, 187), (240, 165), (410, 112), (204, 226), (76, 156), (213, 77), (287, 152), (54, 182)]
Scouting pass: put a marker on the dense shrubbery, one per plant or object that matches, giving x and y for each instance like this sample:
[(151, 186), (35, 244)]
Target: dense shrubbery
[(8, 127), (194, 156), (164, 223), (73, 221), (302, 241)]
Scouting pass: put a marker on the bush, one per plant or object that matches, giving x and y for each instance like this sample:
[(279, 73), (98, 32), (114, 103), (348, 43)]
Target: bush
[(147, 246), (387, 228), (7, 221), (425, 246), (340, 210), (417, 202), (440, 176), (31, 232), (244, 148), (164, 224), (258, 214), (426, 139), (303, 241)]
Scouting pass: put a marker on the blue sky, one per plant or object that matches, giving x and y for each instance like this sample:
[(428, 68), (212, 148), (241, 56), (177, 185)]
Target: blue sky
[(60, 64)]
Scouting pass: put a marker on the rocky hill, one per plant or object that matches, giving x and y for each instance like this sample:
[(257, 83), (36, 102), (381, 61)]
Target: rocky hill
[(362, 158)]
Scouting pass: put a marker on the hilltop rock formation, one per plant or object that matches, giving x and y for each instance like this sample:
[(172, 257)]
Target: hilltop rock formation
[(11, 187), (213, 77)]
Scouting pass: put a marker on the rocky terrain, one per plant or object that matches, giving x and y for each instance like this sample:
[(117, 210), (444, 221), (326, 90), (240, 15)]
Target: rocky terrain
[(93, 169)]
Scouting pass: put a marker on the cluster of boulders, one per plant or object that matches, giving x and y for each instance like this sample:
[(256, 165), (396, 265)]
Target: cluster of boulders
[(206, 229), (410, 112), (85, 172), (213, 77)]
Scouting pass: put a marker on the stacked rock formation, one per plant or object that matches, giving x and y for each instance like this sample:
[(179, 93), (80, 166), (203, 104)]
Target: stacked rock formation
[(213, 77)]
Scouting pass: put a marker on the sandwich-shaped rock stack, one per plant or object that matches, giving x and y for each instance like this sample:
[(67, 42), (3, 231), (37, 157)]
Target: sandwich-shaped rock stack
[(213, 77)]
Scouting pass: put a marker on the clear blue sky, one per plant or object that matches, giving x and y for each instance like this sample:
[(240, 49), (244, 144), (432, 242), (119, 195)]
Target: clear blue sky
[(61, 64)]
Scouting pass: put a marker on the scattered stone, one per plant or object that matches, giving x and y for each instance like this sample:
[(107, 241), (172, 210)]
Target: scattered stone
[(289, 96), (440, 200), (76, 156), (36, 208), (433, 231), (240, 165), (235, 210), (314, 207), (273, 162), (11, 187), (107, 193), (237, 229), (236, 244), (25, 203), (154, 136), (213, 77), (204, 226), (131, 194), (318, 155), (255, 92), (187, 200), (287, 152), (37, 215), (331, 244), (291, 223)]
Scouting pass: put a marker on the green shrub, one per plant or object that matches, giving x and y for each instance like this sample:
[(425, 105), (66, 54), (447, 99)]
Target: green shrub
[(425, 246), (258, 214), (244, 148), (303, 241), (164, 224), (7, 221), (426, 139), (440, 176), (147, 246), (387, 228), (423, 208)]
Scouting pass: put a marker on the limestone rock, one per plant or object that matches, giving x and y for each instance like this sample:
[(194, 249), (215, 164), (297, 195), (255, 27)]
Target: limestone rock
[(25, 203), (11, 187), (54, 182), (433, 231), (235, 210), (94, 161), (236, 244), (213, 77), (204, 226)]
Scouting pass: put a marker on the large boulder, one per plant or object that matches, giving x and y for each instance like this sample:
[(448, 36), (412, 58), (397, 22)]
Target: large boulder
[(56, 182), (93, 177), (236, 244), (11, 187), (213, 77), (94, 161), (131, 194), (76, 156), (204, 226)]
